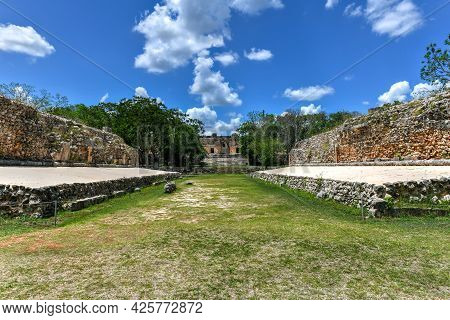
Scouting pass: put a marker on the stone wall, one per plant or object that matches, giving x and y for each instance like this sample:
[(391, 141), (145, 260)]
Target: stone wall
[(29, 135), (19, 200), (373, 197), (418, 130)]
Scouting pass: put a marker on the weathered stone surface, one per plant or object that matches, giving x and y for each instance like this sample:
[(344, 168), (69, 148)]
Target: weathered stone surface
[(371, 196), (19, 200), (29, 135), (170, 187), (84, 203), (418, 130)]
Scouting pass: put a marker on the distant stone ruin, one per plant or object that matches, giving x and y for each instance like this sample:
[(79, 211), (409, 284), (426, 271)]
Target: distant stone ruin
[(223, 150), (30, 136), (418, 130)]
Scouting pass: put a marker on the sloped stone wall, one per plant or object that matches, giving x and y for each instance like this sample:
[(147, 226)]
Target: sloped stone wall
[(29, 135), (418, 130)]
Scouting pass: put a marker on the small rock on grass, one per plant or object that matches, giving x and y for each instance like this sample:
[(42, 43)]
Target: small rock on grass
[(170, 187), (189, 183)]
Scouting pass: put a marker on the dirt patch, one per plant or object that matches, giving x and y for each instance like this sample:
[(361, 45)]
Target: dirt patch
[(44, 245), (12, 241)]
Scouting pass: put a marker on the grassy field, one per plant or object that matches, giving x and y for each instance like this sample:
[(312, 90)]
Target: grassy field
[(224, 237)]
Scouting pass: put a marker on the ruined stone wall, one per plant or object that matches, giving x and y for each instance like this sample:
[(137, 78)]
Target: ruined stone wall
[(224, 145), (38, 202), (29, 135), (357, 194), (418, 130)]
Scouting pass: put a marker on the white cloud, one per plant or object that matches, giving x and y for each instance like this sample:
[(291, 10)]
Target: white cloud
[(256, 6), (366, 103), (398, 92), (206, 115), (308, 93), (210, 85), (22, 95), (212, 125), (423, 90), (331, 4), (177, 30), (393, 17), (104, 98), (258, 54), (227, 58), (24, 40), (352, 10), (223, 128), (311, 109), (141, 92)]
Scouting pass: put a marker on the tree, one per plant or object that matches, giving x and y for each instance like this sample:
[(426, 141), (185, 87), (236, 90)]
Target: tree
[(436, 64), (267, 139), (27, 94), (166, 137)]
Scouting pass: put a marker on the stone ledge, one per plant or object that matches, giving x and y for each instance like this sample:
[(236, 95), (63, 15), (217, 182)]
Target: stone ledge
[(17, 200), (370, 196), (49, 163), (443, 162)]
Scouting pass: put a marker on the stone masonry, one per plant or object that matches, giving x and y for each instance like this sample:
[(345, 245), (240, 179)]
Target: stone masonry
[(418, 130), (38, 202), (29, 135), (371, 196)]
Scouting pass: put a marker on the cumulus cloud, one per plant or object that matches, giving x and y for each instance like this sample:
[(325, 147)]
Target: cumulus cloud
[(352, 10), (256, 6), (423, 90), (104, 98), (227, 58), (311, 109), (208, 116), (398, 92), (312, 93), (390, 17), (258, 54), (331, 4), (210, 85), (393, 17), (141, 92), (24, 40), (177, 30)]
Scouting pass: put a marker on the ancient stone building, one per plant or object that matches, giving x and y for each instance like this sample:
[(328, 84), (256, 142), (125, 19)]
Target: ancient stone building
[(221, 145), (27, 135), (418, 130), (222, 150)]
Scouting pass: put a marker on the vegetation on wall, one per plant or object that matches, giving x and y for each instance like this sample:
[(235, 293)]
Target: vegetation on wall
[(27, 94), (436, 66), (163, 137)]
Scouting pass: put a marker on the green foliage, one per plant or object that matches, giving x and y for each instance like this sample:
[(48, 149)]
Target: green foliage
[(266, 139), (163, 136), (436, 66)]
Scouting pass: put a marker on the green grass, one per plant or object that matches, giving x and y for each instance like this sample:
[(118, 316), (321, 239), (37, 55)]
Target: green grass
[(224, 237)]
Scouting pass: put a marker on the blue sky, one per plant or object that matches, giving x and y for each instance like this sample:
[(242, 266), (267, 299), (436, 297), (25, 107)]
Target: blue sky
[(298, 45)]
